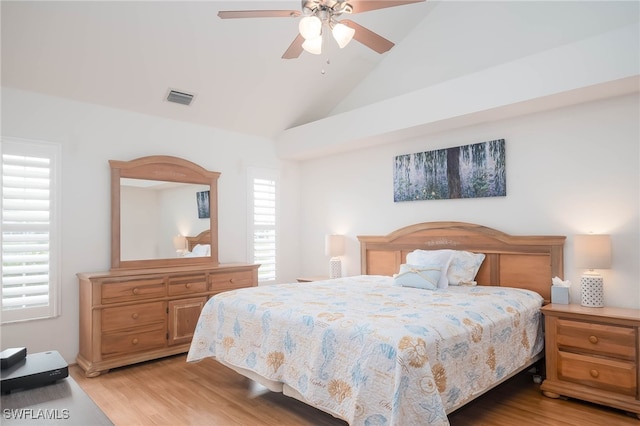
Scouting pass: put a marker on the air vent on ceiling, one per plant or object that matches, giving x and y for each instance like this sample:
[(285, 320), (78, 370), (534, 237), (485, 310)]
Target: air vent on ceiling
[(180, 97)]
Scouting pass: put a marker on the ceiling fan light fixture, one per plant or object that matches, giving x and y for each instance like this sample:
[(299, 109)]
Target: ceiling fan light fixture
[(342, 34), (313, 45), (310, 27), (316, 14)]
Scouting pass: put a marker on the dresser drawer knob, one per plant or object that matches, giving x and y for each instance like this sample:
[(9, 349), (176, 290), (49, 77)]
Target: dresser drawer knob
[(135, 315), (232, 280), (187, 285), (593, 339), (135, 291), (134, 341), (594, 373)]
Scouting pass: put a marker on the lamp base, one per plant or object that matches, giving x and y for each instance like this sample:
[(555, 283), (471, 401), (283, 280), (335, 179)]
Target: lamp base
[(592, 291), (335, 268)]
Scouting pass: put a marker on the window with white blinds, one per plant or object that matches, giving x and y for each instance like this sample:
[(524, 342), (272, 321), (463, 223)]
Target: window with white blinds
[(262, 223), (30, 179)]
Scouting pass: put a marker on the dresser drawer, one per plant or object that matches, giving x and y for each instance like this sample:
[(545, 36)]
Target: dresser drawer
[(140, 339), (129, 291), (133, 316), (187, 284), (601, 373), (230, 280), (607, 340)]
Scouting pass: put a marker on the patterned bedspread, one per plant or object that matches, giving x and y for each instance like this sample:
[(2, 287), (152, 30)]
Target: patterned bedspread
[(372, 353)]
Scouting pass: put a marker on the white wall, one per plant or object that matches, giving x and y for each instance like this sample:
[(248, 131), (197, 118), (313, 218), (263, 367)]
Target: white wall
[(487, 34), (90, 136), (569, 171), (140, 224), (597, 67)]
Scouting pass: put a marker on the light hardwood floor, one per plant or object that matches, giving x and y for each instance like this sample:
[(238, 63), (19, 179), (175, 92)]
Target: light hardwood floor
[(171, 391)]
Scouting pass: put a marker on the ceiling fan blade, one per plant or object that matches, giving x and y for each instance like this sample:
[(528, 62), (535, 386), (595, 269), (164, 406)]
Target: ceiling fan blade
[(233, 14), (368, 38), (295, 48), (360, 6)]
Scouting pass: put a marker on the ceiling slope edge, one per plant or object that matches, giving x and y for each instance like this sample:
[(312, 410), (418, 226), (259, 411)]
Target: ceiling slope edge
[(597, 67)]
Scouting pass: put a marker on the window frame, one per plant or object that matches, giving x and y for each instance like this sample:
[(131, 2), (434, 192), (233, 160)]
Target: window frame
[(53, 151)]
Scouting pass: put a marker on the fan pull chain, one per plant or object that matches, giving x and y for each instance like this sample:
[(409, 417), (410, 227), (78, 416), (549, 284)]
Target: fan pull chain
[(323, 71)]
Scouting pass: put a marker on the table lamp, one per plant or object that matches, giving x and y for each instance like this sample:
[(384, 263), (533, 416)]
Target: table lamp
[(592, 252), (334, 247), (180, 244)]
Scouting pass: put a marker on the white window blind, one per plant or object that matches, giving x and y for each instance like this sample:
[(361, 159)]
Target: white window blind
[(29, 230), (263, 224)]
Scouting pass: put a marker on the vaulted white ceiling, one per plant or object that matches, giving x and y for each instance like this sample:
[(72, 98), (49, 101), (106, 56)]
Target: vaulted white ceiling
[(127, 55)]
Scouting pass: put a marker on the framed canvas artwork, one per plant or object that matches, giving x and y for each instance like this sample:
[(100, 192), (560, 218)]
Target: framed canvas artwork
[(203, 204), (468, 171)]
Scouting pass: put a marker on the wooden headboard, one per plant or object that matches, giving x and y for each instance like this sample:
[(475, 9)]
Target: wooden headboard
[(515, 261), (202, 238)]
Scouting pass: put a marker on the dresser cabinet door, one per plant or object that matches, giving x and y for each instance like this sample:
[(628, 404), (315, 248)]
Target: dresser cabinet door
[(183, 317)]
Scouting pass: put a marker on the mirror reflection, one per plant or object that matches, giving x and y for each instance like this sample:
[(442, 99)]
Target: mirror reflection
[(156, 214)]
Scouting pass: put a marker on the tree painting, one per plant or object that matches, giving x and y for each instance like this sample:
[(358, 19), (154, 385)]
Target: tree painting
[(469, 171)]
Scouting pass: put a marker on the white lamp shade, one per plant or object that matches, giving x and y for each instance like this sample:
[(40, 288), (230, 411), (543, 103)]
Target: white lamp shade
[(179, 242), (342, 34), (592, 251), (310, 27), (313, 45), (334, 245)]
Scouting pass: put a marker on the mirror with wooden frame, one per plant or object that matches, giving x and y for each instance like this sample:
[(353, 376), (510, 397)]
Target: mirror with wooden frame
[(164, 213)]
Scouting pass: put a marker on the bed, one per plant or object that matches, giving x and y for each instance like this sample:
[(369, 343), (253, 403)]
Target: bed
[(202, 238), (393, 345), (199, 246)]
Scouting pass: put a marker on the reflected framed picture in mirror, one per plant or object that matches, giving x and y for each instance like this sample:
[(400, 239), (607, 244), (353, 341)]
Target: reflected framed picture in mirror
[(203, 204)]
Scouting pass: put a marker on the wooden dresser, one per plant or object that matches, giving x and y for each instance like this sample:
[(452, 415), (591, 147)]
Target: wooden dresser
[(130, 316), (593, 354)]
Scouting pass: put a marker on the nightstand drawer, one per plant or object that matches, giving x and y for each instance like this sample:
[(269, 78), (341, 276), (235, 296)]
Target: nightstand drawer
[(601, 373), (608, 340)]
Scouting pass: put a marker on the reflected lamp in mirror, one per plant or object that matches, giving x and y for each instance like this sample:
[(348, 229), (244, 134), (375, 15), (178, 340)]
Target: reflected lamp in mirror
[(180, 244), (334, 247), (592, 252)]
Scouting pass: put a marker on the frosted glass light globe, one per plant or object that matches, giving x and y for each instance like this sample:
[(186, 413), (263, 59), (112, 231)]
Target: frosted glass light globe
[(313, 45), (310, 27), (342, 34)]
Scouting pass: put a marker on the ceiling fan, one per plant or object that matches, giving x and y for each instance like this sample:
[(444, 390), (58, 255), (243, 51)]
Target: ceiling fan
[(317, 14)]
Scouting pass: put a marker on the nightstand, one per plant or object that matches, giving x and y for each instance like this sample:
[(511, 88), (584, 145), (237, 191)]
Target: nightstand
[(311, 279), (592, 354)]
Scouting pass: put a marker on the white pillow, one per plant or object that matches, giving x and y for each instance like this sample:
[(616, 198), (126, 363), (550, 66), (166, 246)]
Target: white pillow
[(431, 258), (464, 266), (201, 250)]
